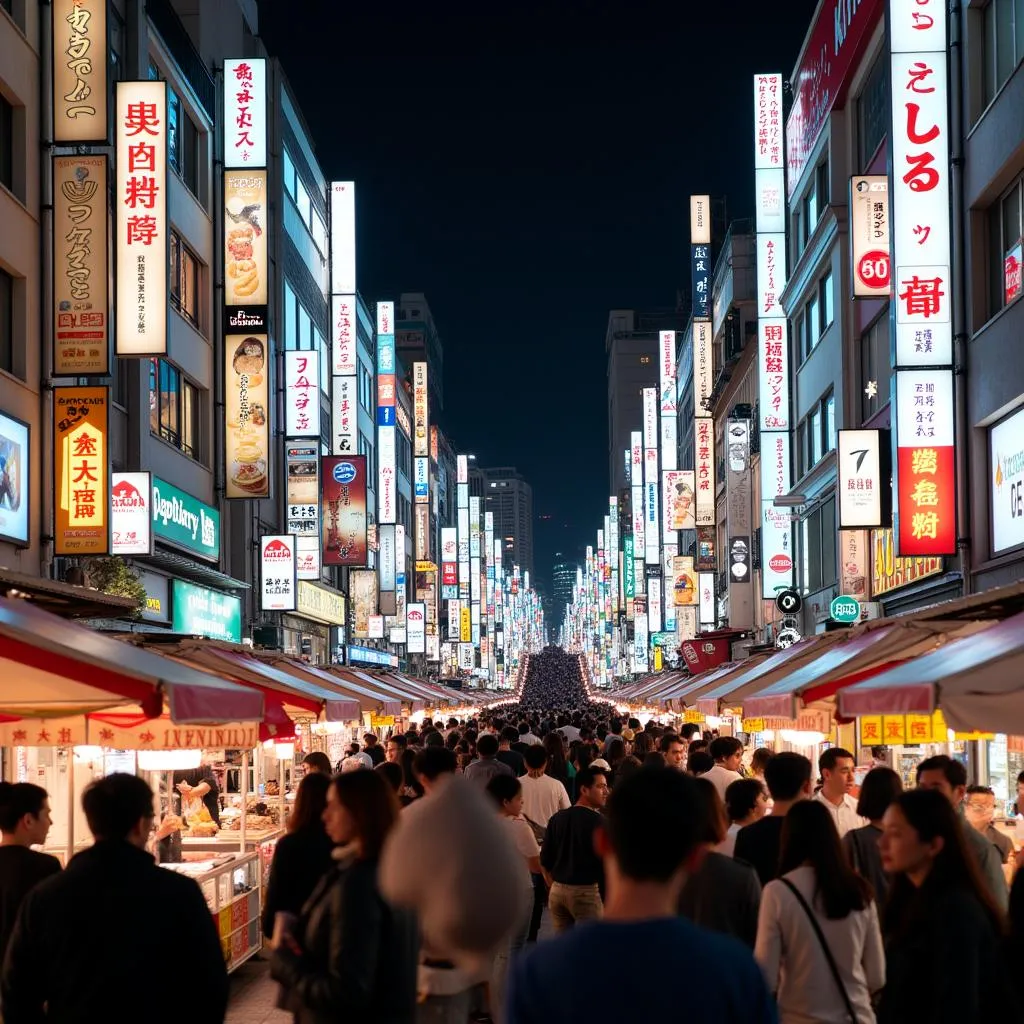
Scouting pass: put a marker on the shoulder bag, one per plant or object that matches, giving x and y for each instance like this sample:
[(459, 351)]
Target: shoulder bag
[(833, 966)]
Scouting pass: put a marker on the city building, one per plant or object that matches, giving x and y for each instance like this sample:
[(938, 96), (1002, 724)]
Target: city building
[(563, 579), (505, 493), (416, 338)]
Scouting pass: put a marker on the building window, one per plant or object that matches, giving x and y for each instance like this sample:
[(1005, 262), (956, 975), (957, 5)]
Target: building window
[(183, 140), (1005, 230), (184, 280), (873, 112), (6, 144), (816, 434), (875, 367), (812, 324), (174, 408), (828, 302), (1003, 43), (366, 398), (816, 539), (295, 188), (6, 322)]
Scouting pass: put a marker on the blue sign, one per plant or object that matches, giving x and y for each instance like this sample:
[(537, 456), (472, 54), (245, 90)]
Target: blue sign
[(369, 656), (344, 473), (700, 280), (422, 477), (385, 353), (385, 415)]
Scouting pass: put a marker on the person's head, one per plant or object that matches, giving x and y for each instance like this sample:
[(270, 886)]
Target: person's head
[(536, 758), (788, 776), (836, 767), (714, 820), (615, 726), (310, 801), (317, 761), (746, 801), (509, 735), (487, 745), (655, 759), (727, 751), (698, 747), (759, 760), (507, 793), (554, 744), (453, 739), (408, 761), (689, 730), (361, 810), (674, 750), (433, 764), (634, 724), (880, 787), (119, 808), (352, 748), (642, 745), (602, 732), (699, 763), (524, 728), (616, 752), (433, 739), (1020, 791), (809, 836), (944, 774), (369, 740), (392, 773), (24, 812), (592, 786), (980, 807)]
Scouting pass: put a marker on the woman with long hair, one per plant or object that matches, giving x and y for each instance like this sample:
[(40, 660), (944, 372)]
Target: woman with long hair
[(411, 789), (351, 956), (818, 938), (557, 768), (642, 745), (303, 856), (943, 932), (880, 787)]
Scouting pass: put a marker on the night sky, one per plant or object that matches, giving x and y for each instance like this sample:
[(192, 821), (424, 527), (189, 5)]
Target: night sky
[(528, 167)]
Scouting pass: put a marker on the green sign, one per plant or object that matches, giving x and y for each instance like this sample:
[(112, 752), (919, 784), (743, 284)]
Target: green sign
[(845, 609), (629, 568), (664, 640), (204, 612), (184, 521)]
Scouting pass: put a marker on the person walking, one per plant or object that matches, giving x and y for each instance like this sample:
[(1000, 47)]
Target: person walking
[(980, 812), (317, 761), (727, 753), (507, 755), (572, 868), (351, 955), (878, 790), (649, 842), (746, 801), (487, 765), (87, 940), (24, 822), (943, 927), (837, 781), (303, 856), (818, 938)]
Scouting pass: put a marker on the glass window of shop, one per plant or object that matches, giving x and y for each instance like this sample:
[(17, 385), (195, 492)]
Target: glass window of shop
[(1005, 762), (1004, 245), (185, 278), (306, 641), (873, 113), (875, 367), (816, 542), (300, 333), (1003, 45)]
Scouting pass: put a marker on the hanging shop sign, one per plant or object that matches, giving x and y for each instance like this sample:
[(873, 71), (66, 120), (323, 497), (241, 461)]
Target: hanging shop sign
[(700, 281), (684, 581), (302, 393), (703, 367), (245, 112), (854, 553), (362, 586), (707, 549), (1006, 483), (416, 636), (277, 573), (903, 730), (79, 71), (343, 510), (890, 572), (15, 480), (185, 522), (704, 440), (200, 611), (344, 334), (143, 239), (246, 414), (321, 604), (421, 442), (80, 267), (343, 238), (81, 471), (131, 514), (869, 236), (700, 220), (303, 466), (678, 500), (345, 416), (246, 262), (865, 473), (706, 598)]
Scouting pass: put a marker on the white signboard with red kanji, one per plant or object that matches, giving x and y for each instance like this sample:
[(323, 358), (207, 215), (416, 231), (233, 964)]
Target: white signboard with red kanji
[(245, 112), (277, 573), (302, 393)]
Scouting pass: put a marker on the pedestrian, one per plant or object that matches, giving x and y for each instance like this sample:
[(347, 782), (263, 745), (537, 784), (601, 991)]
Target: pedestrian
[(394, 776), (949, 777), (878, 790), (433, 767), (373, 748), (350, 954), (526, 733), (411, 787), (24, 822), (649, 842), (507, 755), (943, 928), (759, 761), (699, 763), (396, 746), (789, 780), (318, 761), (722, 894), (303, 856), (836, 767), (642, 746), (980, 812), (674, 750), (818, 937), (487, 765), (727, 754), (572, 867), (746, 801), (88, 939), (507, 793), (558, 767)]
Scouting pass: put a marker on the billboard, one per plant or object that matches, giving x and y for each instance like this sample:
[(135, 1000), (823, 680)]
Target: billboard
[(79, 71), (1006, 482), (246, 263), (302, 394), (344, 335), (416, 628), (81, 462), (343, 238), (15, 480), (343, 509), (678, 500), (246, 415), (131, 514), (869, 236), (345, 416), (421, 411), (864, 478), (245, 112), (777, 564), (303, 487), (684, 582), (277, 574), (362, 585), (738, 520), (704, 475)]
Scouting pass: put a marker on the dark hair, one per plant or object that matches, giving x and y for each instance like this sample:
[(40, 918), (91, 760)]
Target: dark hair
[(831, 757), (697, 764), (880, 787), (809, 835), (642, 745), (689, 730), (372, 805), (955, 772), (626, 767), (654, 822), (714, 822), (932, 816), (510, 734), (666, 742), (392, 773), (586, 753), (786, 774), (310, 801), (879, 752), (524, 728), (536, 757), (586, 777), (408, 771), (487, 745), (113, 805), (615, 726), (399, 739), (504, 787), (985, 790), (634, 723), (1020, 778), (760, 758), (616, 751), (370, 739), (655, 759), (320, 761), (725, 746), (741, 797), (18, 799), (698, 747), (433, 762), (433, 739)]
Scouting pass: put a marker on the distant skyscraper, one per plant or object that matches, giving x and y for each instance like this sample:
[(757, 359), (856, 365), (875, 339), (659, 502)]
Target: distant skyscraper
[(416, 338), (563, 578), (510, 498)]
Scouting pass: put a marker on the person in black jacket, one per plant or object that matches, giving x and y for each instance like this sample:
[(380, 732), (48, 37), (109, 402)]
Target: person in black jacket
[(88, 942), (303, 856), (352, 956)]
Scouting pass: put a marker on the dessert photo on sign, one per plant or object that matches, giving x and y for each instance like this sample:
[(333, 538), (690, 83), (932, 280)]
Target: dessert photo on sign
[(247, 436)]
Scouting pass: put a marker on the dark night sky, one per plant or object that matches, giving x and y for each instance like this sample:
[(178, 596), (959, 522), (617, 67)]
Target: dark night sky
[(528, 167)]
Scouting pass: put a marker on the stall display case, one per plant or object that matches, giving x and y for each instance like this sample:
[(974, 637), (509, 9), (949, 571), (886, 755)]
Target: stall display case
[(231, 887)]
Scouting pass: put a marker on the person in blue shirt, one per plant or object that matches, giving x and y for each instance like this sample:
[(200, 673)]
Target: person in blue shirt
[(650, 841)]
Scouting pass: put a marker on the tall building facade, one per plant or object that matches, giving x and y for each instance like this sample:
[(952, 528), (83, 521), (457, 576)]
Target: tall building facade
[(563, 579), (416, 338), (505, 493)]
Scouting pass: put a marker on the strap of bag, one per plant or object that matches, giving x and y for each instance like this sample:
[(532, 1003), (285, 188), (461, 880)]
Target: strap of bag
[(539, 831), (833, 966)]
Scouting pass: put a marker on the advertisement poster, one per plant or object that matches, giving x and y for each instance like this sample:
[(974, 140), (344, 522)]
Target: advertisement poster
[(678, 500), (303, 485), (363, 596), (343, 509), (277, 574), (199, 611), (131, 516), (81, 471), (80, 267), (246, 405), (245, 238), (14, 479), (415, 621), (684, 581)]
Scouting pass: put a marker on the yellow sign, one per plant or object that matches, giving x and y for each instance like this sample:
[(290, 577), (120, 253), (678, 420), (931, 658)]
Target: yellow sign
[(902, 730), (889, 572), (382, 721), (696, 717), (124, 731), (317, 603), (657, 659), (753, 725), (466, 625), (81, 471), (426, 567)]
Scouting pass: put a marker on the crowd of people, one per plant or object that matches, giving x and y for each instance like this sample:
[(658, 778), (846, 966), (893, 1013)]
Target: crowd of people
[(413, 883)]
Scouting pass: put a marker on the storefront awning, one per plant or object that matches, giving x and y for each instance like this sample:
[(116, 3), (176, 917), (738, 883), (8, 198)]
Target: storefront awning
[(640, 691), (656, 688), (413, 701), (51, 667), (366, 700), (977, 681), (684, 692)]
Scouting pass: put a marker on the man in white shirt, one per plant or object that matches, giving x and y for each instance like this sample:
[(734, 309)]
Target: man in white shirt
[(837, 779), (569, 731), (727, 752), (542, 794), (526, 736)]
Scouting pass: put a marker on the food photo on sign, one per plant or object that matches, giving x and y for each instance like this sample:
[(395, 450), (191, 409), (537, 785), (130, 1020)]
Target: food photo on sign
[(246, 400), (245, 239)]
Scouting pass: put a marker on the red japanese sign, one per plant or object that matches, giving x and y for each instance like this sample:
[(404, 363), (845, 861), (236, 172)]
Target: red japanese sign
[(302, 394), (245, 112)]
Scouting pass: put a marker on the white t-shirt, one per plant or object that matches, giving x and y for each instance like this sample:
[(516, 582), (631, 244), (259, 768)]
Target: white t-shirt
[(727, 847), (570, 732), (526, 844), (845, 815), (542, 798), (721, 778)]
